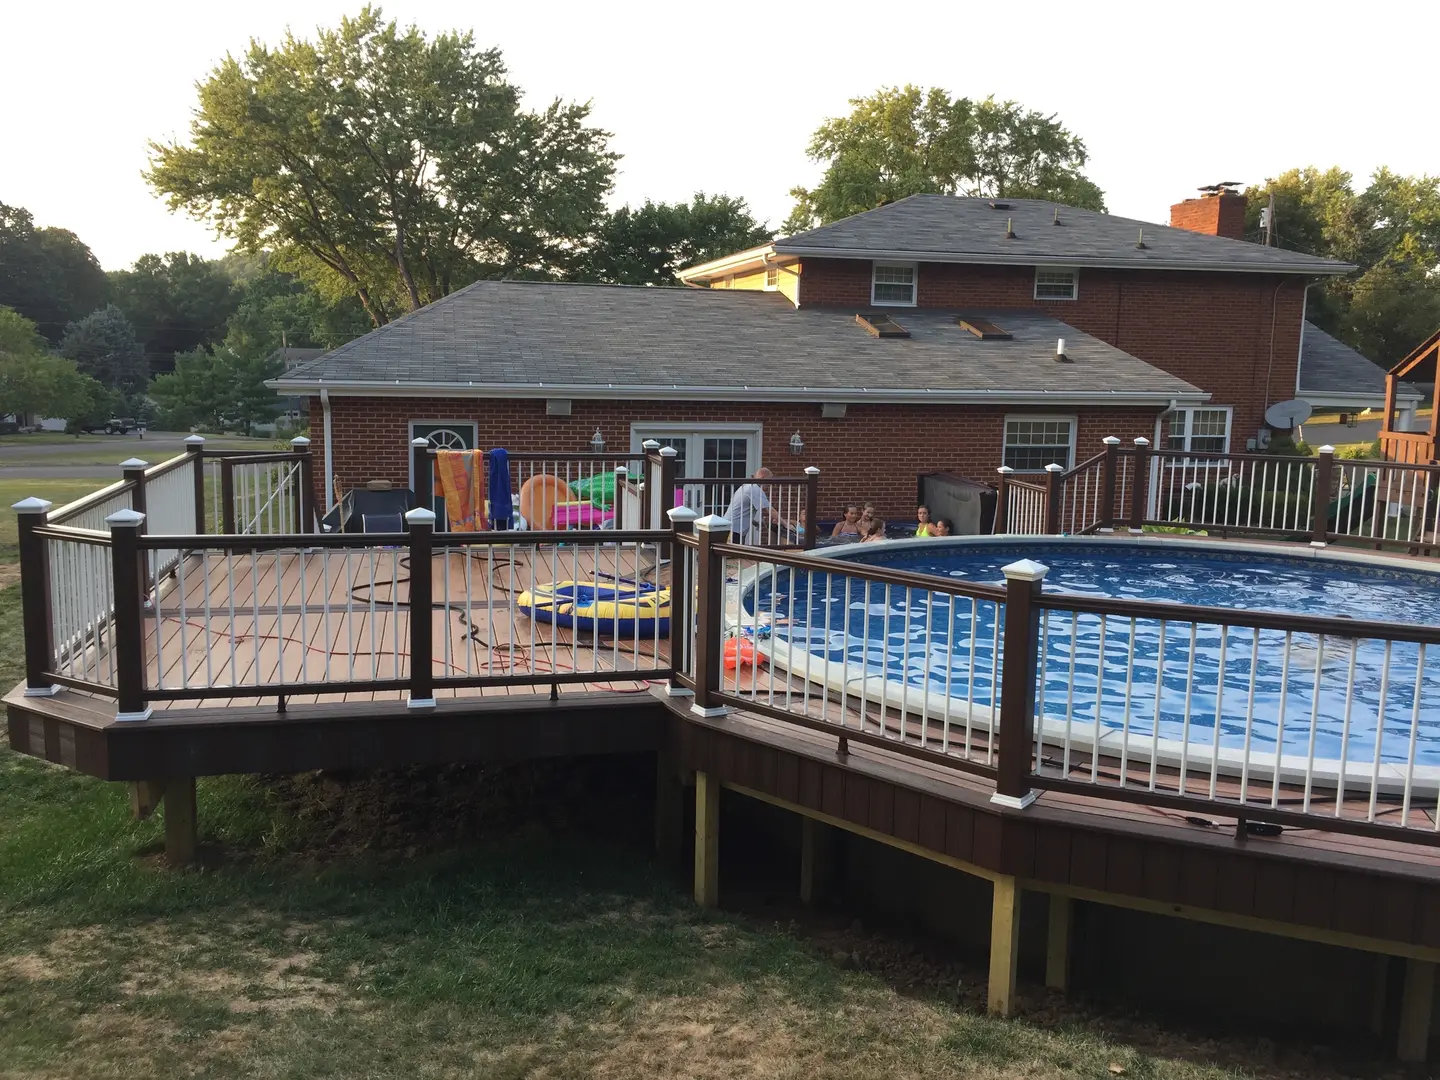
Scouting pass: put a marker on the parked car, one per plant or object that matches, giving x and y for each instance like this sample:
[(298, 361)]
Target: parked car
[(120, 425)]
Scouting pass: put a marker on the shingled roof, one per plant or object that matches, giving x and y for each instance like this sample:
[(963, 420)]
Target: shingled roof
[(537, 339), (949, 228), (1332, 373)]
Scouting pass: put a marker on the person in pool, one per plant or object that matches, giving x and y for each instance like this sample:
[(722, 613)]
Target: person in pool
[(874, 532), (924, 526), (849, 525), (942, 527), (867, 517)]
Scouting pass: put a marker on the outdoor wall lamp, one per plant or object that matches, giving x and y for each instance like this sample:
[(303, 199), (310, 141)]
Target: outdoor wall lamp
[(797, 444), (597, 442)]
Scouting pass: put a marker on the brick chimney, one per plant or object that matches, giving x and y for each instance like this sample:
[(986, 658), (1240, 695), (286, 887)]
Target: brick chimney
[(1220, 211)]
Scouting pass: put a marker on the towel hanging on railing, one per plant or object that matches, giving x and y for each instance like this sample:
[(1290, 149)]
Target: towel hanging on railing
[(460, 475)]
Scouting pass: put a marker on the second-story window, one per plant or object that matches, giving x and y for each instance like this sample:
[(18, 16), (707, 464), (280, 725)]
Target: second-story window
[(1053, 284), (772, 279), (893, 285)]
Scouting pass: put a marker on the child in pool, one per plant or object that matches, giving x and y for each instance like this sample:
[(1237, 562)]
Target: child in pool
[(849, 525), (942, 527), (875, 532), (924, 526)]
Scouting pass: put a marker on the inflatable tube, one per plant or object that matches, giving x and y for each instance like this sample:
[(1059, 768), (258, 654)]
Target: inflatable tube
[(538, 497), (614, 610)]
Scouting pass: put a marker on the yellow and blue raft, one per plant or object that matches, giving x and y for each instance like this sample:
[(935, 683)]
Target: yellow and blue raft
[(612, 610)]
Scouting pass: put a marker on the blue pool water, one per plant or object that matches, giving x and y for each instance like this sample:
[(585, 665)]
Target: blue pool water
[(947, 645)]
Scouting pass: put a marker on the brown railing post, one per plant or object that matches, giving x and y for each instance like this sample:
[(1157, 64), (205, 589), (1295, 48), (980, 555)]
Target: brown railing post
[(132, 471), (127, 630), (1023, 582), (1108, 472), (812, 505), (668, 479), (421, 523), (622, 481), (35, 596), (1054, 491), (1140, 486), (1002, 500), (420, 469), (682, 591), (1320, 497), (305, 489), (709, 613), (227, 496), (195, 448)]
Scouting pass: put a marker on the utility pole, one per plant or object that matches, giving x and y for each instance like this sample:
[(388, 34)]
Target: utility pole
[(1270, 222)]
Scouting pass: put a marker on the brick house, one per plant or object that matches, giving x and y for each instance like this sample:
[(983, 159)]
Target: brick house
[(921, 336)]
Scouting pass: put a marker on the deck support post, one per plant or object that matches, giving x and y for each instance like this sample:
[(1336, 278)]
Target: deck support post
[(812, 506), (1054, 494), (145, 797), (709, 613), (1140, 486), (195, 450), (1023, 582), (127, 629), (707, 840), (669, 809), (1415, 1008), (1057, 943), (305, 490), (31, 514), (421, 523), (1380, 995), (682, 590), (1320, 497), (817, 859), (1004, 946), (180, 820), (1002, 501), (1109, 470)]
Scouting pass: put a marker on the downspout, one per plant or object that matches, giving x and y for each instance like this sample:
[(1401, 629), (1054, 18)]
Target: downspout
[(329, 451)]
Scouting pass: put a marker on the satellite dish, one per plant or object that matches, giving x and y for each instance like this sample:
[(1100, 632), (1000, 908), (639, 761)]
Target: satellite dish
[(1284, 415)]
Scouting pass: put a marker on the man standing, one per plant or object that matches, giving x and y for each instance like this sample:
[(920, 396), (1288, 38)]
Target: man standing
[(749, 510)]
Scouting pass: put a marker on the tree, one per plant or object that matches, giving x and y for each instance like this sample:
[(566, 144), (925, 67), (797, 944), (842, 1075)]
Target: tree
[(908, 141), (277, 309), (48, 275), (32, 380), (217, 389), (378, 164), (1390, 231), (103, 346), (175, 302), (647, 245)]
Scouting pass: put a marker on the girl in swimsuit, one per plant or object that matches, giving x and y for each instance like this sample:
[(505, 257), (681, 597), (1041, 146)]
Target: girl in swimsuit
[(849, 525)]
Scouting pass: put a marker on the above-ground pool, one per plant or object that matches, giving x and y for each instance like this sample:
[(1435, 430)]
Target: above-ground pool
[(1320, 700)]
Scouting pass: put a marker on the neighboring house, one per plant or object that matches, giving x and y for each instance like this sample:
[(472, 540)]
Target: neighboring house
[(1202, 330), (1334, 377)]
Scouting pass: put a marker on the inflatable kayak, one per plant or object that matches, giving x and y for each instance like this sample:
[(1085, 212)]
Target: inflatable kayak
[(615, 610)]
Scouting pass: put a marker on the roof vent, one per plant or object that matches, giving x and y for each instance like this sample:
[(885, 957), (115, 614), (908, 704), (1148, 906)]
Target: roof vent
[(1140, 241), (1060, 355), (1056, 219), (1009, 228), (996, 205), (881, 326), (984, 329)]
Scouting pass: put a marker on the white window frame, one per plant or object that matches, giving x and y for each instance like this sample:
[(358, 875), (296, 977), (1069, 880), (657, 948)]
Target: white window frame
[(695, 436), (772, 279), (914, 269), (1073, 271), (1190, 411), (1073, 421)]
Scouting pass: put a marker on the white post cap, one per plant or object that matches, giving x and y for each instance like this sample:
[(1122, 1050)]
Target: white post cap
[(195, 440), (712, 523), (1327, 449), (419, 442), (134, 463), (668, 451), (1004, 469), (32, 505), (811, 470), (123, 518), (623, 468), (1025, 570), (1111, 440), (650, 444), (675, 513), (420, 516), (1053, 467), (1140, 440), (299, 440)]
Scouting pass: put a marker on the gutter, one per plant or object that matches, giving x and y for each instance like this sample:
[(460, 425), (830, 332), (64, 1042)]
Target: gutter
[(329, 451), (1325, 267), (813, 395)]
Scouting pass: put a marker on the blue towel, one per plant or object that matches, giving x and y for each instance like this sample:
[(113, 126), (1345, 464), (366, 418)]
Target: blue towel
[(502, 506)]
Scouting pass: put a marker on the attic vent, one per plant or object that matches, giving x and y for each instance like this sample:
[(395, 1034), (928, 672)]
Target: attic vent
[(881, 326), (995, 205), (984, 329)]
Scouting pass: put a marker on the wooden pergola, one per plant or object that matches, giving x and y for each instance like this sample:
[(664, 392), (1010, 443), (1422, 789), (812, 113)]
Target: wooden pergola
[(1411, 447)]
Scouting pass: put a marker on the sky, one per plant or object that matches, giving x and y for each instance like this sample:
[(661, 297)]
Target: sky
[(724, 97)]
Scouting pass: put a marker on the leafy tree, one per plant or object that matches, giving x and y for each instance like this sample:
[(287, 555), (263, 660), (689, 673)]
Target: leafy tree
[(176, 302), (33, 381), (48, 275), (103, 346), (276, 309), (1390, 231), (378, 164), (909, 141), (647, 245), (216, 389)]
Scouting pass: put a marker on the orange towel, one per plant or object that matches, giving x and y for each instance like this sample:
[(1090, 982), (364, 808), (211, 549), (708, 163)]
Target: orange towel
[(460, 476)]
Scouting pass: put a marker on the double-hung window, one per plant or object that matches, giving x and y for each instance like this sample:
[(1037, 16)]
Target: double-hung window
[(1032, 442), (1199, 431), (1056, 284), (892, 284)]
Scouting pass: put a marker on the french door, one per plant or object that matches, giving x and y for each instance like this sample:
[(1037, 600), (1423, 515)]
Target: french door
[(442, 435), (715, 453)]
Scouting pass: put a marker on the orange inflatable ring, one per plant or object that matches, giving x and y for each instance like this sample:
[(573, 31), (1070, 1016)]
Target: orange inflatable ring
[(738, 652), (538, 497)]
